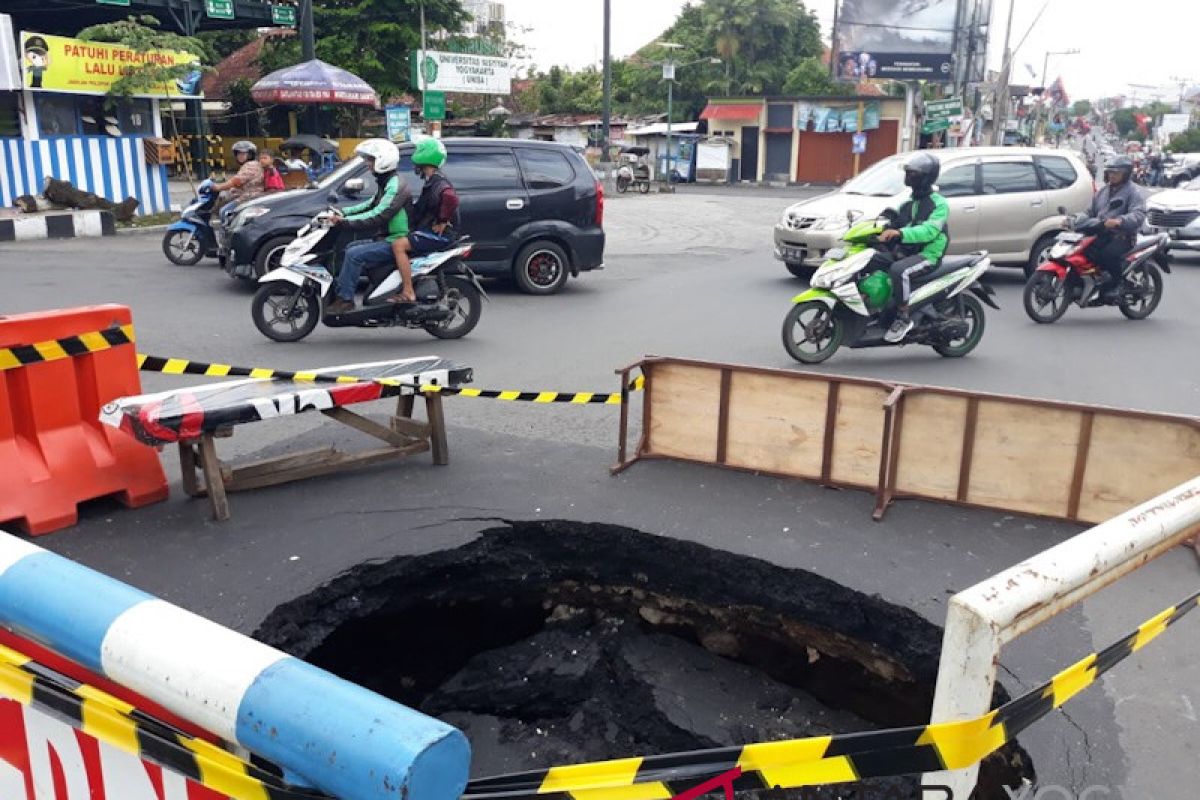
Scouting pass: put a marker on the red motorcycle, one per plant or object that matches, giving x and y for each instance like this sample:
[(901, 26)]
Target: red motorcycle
[(1066, 275)]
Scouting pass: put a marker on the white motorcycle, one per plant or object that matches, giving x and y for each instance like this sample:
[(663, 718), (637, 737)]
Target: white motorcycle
[(291, 300)]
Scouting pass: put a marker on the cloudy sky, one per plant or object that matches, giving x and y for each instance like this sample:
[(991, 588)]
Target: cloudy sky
[(1144, 43)]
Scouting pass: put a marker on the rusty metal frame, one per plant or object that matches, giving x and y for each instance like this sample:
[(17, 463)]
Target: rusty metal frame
[(885, 489)]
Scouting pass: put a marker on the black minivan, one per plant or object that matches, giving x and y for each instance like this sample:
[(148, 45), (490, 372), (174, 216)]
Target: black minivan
[(534, 210)]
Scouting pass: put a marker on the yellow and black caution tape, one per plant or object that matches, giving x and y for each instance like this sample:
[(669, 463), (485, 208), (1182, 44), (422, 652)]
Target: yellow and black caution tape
[(55, 349), (825, 759), (179, 366), (117, 723)]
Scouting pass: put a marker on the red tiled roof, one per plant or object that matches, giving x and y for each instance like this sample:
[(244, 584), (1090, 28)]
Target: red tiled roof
[(732, 111), (241, 64)]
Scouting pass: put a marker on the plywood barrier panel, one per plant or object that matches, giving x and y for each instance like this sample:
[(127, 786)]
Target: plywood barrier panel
[(1131, 460), (859, 434), (1024, 457), (684, 406), (931, 442), (777, 423)]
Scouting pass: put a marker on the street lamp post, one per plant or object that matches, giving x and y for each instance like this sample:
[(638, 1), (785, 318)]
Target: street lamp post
[(668, 71)]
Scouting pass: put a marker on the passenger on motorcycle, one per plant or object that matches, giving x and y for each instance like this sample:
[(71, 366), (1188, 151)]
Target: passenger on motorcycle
[(1121, 205), (247, 184), (384, 212), (433, 217), (920, 227)]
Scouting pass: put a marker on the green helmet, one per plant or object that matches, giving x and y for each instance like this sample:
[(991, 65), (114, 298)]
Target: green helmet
[(877, 289), (430, 152)]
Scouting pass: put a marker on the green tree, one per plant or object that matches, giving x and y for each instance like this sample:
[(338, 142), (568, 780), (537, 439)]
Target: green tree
[(811, 77), (1081, 108), (222, 44), (1186, 142), (371, 38), (142, 34)]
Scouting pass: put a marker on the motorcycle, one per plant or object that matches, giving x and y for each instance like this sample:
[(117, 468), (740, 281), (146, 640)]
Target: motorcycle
[(633, 172), (291, 300), (1067, 275), (192, 237), (849, 304)]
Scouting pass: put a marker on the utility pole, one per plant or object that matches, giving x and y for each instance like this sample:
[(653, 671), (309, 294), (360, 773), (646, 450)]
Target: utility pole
[(1000, 112), (1183, 84), (308, 51), (605, 136)]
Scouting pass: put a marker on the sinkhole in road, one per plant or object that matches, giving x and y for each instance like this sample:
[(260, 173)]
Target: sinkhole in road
[(557, 642)]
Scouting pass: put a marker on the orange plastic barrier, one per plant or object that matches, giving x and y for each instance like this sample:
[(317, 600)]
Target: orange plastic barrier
[(54, 452)]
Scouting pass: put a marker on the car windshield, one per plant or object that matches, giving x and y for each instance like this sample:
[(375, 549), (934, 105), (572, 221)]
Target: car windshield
[(885, 179), (340, 174)]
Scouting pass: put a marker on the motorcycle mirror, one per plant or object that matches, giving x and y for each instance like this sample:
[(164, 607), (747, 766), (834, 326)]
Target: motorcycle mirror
[(353, 186)]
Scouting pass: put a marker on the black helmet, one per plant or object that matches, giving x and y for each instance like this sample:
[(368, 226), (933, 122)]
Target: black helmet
[(921, 172), (245, 147), (1122, 164)]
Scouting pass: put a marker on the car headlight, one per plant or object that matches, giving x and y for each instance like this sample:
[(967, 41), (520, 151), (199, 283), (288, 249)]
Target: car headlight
[(254, 212), (833, 223)]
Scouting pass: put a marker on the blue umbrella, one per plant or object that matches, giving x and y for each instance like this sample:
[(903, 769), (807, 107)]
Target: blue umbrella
[(314, 82)]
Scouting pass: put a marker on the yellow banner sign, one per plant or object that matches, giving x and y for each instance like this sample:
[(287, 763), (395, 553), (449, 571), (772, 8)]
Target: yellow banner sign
[(58, 64)]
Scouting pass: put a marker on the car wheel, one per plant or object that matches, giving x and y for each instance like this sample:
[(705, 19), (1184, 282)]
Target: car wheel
[(1037, 254), (267, 258), (541, 268), (799, 270)]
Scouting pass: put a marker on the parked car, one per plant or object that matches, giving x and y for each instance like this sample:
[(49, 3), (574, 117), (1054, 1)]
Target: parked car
[(1180, 168), (1002, 199), (1176, 212), (534, 210)]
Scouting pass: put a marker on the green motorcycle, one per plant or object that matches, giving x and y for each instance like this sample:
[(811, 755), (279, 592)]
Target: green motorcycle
[(850, 304)]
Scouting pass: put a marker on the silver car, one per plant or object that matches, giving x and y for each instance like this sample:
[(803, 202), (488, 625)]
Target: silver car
[(1002, 199), (1176, 212)]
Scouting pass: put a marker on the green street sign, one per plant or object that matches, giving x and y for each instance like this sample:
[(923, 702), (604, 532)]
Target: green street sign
[(114, 2), (935, 125), (943, 109), (434, 106), (219, 9), (284, 15)]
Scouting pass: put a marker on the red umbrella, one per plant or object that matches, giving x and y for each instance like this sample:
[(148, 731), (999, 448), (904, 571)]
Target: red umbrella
[(314, 82)]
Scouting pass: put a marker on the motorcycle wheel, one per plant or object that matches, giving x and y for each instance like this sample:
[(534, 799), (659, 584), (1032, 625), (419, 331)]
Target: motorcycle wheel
[(285, 312), (644, 187), (622, 185), (466, 307), (1148, 278), (1046, 298), (183, 248), (820, 328), (976, 320)]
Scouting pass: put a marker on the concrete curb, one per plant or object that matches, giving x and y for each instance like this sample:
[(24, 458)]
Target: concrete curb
[(67, 225), (146, 229)]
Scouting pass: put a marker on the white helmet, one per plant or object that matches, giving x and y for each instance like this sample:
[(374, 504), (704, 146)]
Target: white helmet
[(386, 154)]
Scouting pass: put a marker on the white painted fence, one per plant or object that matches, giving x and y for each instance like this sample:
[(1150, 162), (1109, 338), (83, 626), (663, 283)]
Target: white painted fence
[(990, 614)]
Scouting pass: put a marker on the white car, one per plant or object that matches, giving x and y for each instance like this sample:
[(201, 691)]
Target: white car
[(1176, 212), (1003, 200)]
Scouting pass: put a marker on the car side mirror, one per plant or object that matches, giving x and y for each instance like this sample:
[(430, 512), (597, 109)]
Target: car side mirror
[(353, 187)]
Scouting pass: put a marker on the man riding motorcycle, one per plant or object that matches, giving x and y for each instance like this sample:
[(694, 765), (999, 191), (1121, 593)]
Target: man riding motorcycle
[(432, 218), (920, 226), (385, 211), (1121, 205)]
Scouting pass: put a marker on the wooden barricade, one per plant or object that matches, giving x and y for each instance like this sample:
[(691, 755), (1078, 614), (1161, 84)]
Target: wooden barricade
[(1039, 457)]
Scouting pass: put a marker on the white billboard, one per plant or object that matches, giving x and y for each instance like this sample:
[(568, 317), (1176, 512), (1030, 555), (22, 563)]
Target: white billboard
[(903, 39), (1174, 123), (465, 72)]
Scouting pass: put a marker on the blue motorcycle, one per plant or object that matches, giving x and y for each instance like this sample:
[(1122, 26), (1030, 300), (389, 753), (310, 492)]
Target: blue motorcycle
[(192, 237)]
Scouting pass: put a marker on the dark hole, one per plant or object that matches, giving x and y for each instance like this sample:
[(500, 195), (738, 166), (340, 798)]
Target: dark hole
[(557, 642)]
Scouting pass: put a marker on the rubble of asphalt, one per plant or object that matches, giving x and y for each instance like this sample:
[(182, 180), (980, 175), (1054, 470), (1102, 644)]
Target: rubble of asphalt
[(558, 642)]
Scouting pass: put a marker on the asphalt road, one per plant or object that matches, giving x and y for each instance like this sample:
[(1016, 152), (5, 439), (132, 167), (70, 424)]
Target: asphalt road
[(688, 274)]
